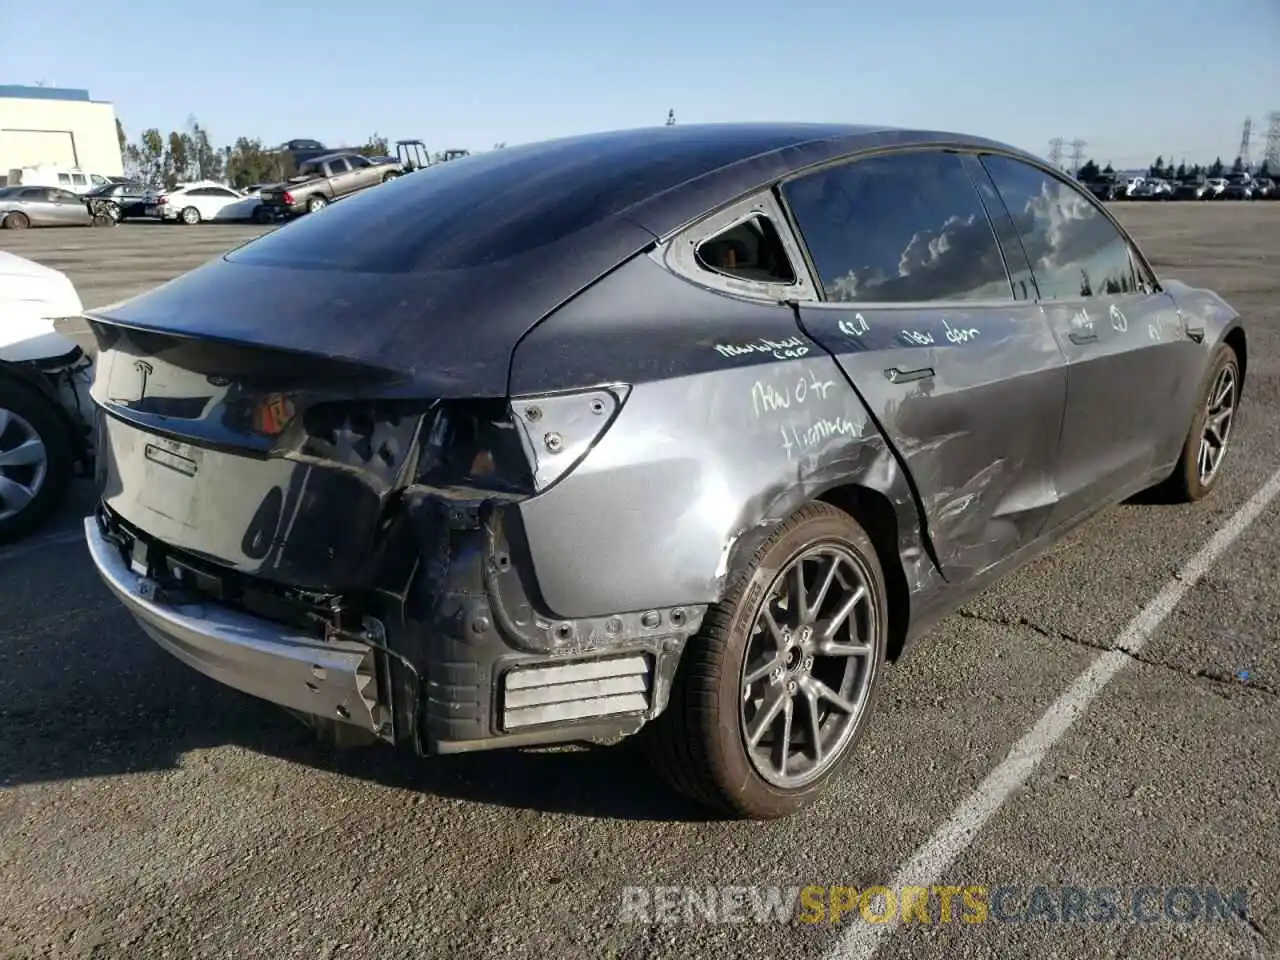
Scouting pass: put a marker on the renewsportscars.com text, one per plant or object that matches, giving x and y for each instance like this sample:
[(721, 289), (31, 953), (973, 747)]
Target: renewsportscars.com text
[(972, 904)]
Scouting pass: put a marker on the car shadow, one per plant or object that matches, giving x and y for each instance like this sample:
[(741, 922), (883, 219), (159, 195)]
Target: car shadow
[(84, 693)]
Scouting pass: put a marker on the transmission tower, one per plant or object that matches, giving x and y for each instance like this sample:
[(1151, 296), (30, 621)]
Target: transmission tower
[(671, 118), (1273, 141), (1245, 136), (1055, 151), (1077, 155)]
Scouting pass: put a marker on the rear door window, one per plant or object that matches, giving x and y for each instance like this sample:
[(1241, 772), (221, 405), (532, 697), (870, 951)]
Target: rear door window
[(900, 228)]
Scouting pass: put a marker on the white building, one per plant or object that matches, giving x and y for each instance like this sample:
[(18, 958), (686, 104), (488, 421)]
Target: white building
[(59, 127)]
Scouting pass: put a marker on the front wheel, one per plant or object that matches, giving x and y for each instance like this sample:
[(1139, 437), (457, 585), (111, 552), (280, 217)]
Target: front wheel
[(190, 216), (316, 204), (16, 221), (774, 691), (1205, 447)]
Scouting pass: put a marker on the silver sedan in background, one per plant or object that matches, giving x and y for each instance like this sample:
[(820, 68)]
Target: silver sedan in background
[(22, 207)]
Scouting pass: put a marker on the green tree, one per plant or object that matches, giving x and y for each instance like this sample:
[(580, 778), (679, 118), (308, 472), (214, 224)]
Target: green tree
[(1088, 173), (1157, 168), (1264, 171), (375, 146), (1181, 173), (204, 160), (1108, 170), (123, 140), (1238, 166), (1216, 168)]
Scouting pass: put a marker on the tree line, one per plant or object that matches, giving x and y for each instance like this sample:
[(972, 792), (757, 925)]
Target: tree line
[(164, 159), (1167, 171)]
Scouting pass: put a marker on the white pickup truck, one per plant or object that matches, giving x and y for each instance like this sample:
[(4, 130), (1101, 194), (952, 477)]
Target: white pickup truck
[(45, 410)]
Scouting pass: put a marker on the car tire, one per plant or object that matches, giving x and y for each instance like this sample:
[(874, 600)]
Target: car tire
[(316, 204), (16, 221), (190, 216), (27, 414), (1212, 425), (387, 178), (699, 743)]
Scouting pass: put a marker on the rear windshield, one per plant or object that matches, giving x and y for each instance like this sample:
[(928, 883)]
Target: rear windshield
[(490, 207)]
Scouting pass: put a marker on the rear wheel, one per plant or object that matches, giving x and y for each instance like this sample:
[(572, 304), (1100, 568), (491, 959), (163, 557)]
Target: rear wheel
[(774, 691), (17, 221), (36, 459), (315, 204), (1200, 465), (190, 216), (387, 178)]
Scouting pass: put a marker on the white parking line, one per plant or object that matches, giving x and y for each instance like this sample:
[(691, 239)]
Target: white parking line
[(862, 939)]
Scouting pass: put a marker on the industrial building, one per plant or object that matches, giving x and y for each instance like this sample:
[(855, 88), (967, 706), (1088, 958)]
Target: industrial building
[(59, 127)]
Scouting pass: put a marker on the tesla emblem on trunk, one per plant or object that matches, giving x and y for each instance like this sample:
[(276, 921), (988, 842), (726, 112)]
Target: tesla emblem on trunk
[(146, 370)]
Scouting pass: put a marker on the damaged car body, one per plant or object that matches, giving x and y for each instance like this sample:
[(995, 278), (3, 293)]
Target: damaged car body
[(682, 433)]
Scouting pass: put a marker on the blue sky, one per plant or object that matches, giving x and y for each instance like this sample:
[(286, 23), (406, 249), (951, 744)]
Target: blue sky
[(1132, 78)]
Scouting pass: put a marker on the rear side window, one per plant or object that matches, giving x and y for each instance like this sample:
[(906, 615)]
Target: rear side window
[(64, 178), (1074, 250), (896, 229), (750, 250)]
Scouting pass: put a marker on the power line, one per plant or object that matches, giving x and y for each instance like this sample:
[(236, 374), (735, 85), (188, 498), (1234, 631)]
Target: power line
[(1245, 136), (1273, 141), (1077, 154)]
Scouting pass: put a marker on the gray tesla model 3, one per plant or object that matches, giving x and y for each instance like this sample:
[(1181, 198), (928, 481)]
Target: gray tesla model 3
[(682, 433)]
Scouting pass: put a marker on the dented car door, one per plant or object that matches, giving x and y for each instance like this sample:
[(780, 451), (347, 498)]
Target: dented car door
[(961, 371)]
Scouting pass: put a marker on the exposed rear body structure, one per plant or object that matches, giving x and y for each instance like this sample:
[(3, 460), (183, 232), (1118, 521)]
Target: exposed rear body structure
[(683, 431)]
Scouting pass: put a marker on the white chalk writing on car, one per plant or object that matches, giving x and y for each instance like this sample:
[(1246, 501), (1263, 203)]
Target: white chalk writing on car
[(792, 348), (766, 398), (855, 327)]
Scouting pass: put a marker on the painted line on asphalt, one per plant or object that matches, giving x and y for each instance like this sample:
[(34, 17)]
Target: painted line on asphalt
[(861, 939), (28, 547)]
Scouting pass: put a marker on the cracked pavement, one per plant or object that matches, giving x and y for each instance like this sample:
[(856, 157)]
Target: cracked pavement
[(148, 812)]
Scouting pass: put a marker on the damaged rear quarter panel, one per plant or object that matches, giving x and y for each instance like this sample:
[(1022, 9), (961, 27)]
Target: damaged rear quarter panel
[(734, 418)]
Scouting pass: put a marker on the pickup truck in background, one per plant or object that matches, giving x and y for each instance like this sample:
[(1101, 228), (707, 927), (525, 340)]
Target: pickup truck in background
[(324, 179)]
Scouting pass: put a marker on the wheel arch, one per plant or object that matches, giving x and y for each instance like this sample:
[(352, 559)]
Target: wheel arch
[(1235, 338), (885, 525)]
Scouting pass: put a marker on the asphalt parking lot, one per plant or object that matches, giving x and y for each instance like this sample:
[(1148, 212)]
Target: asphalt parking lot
[(147, 812)]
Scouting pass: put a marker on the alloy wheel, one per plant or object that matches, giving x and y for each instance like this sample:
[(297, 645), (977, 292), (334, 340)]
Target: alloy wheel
[(1220, 411), (809, 666), (24, 464)]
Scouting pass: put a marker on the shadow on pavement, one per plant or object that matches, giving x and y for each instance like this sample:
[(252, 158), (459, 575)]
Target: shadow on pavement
[(84, 693)]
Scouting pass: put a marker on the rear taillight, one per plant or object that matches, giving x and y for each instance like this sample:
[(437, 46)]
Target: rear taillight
[(288, 198), (161, 201)]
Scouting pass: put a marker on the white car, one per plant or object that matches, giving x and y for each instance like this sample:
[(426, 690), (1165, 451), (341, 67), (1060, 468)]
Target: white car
[(192, 203), (45, 410)]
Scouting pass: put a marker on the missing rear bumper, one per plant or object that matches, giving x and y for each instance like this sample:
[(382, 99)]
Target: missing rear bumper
[(335, 679)]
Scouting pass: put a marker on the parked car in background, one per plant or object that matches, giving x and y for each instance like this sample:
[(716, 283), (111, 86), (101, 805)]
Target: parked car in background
[(45, 409), (1190, 190), (22, 207), (325, 179), (201, 200), (1238, 188), (685, 440), (123, 199), (1215, 187)]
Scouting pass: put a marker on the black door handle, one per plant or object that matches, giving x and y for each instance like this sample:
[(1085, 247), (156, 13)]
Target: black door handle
[(1078, 336), (906, 376)]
